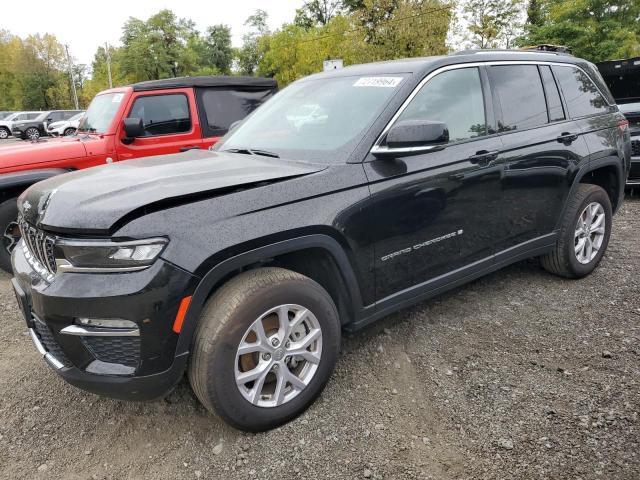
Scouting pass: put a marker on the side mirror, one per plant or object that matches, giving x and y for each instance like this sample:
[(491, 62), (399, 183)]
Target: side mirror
[(133, 129), (417, 133)]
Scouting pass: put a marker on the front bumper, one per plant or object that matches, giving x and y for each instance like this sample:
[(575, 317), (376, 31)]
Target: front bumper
[(130, 368)]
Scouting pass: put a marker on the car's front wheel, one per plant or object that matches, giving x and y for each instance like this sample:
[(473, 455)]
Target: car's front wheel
[(32, 133), (584, 234), (265, 347), (69, 131), (4, 133)]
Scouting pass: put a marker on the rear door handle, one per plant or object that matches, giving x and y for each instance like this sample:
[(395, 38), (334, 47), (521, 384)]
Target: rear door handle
[(484, 157), (567, 138), (186, 149)]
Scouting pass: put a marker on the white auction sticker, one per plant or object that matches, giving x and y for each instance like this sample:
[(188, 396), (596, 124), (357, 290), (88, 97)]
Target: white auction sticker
[(384, 82), (117, 98)]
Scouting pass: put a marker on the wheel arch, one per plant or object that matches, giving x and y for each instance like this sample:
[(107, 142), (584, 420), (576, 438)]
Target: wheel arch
[(330, 267)]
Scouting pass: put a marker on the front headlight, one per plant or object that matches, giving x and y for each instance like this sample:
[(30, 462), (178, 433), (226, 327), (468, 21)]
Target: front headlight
[(107, 256)]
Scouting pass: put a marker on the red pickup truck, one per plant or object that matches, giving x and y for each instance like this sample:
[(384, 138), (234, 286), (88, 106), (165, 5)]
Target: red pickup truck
[(140, 120)]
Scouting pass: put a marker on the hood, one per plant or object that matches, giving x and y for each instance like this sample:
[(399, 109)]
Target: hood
[(49, 150), (97, 200)]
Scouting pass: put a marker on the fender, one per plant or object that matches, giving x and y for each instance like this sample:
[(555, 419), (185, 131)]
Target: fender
[(26, 178), (588, 168), (217, 273)]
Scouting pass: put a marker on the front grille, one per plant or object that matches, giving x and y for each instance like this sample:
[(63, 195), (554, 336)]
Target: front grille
[(120, 350), (635, 148), (39, 244), (48, 342)]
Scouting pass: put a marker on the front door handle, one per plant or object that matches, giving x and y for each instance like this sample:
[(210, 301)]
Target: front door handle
[(484, 157), (186, 149), (567, 138)]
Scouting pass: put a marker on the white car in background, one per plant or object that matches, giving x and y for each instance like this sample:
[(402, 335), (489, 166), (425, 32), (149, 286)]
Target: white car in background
[(64, 128), (7, 123)]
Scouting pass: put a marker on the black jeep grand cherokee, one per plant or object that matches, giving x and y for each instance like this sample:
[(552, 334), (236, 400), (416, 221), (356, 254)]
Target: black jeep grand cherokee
[(347, 196)]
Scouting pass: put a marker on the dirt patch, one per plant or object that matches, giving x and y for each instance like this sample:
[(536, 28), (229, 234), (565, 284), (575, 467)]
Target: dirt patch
[(517, 375)]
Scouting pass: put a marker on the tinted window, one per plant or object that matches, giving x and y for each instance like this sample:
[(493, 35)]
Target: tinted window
[(554, 104), (519, 91), (223, 107), (162, 114), (580, 93), (455, 98)]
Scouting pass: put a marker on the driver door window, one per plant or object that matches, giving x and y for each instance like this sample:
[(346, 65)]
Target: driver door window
[(162, 114), (453, 97)]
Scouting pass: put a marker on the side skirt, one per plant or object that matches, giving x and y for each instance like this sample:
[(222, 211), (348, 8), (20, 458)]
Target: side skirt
[(435, 286)]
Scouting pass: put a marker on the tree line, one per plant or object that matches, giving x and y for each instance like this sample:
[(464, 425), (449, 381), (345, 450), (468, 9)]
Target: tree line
[(34, 72)]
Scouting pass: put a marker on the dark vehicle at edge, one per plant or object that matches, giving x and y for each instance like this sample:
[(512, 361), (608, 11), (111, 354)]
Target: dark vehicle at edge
[(623, 79), (348, 196)]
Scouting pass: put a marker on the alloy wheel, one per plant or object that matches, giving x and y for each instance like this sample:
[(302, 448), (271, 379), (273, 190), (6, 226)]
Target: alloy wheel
[(32, 133), (589, 232), (3, 134), (278, 355)]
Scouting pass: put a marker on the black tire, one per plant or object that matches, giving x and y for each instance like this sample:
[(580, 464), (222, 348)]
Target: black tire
[(225, 319), (4, 133), (68, 132), (8, 215), (32, 133), (562, 260)]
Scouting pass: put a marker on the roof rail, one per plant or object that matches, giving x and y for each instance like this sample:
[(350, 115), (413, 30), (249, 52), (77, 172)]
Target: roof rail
[(536, 49)]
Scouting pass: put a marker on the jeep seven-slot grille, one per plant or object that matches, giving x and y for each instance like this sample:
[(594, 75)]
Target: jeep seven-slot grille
[(635, 148), (39, 244)]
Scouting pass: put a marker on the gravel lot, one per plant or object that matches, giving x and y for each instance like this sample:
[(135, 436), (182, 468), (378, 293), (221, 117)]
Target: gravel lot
[(520, 375)]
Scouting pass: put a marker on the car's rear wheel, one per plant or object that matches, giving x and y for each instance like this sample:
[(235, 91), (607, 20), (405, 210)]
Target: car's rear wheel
[(10, 230), (4, 133), (584, 234), (69, 131), (265, 347), (32, 133)]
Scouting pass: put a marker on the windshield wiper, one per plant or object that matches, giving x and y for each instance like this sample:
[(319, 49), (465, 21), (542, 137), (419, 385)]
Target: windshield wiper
[(253, 151)]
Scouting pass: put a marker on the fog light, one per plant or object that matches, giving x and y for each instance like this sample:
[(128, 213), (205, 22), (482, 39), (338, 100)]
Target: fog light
[(106, 323)]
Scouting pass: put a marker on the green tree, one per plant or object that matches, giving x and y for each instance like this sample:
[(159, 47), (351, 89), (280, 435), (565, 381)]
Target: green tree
[(216, 51), (492, 23), (594, 29), (249, 54), (317, 12)]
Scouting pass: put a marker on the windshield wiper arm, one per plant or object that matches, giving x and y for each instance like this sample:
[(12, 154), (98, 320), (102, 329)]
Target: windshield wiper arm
[(253, 151)]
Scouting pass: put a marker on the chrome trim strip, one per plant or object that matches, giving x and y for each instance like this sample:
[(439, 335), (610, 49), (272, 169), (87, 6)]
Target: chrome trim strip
[(109, 243), (415, 91), (381, 150), (64, 266), (102, 332), (53, 361)]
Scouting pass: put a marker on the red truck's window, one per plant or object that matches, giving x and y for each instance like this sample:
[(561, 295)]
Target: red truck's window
[(162, 114), (220, 107)]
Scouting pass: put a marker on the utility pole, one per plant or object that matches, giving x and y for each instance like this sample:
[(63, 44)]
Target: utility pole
[(73, 82), (106, 50)]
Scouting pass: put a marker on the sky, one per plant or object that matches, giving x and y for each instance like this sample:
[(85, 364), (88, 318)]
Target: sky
[(86, 25)]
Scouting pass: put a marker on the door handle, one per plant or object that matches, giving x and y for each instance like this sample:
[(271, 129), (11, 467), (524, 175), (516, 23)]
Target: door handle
[(483, 157), (186, 149), (567, 138)]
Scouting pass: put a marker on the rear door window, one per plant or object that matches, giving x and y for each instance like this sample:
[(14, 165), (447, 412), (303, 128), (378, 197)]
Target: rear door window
[(222, 107), (162, 114), (521, 97), (580, 93)]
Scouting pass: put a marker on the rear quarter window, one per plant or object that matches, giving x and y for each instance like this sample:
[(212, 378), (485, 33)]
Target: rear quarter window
[(580, 93), (221, 107)]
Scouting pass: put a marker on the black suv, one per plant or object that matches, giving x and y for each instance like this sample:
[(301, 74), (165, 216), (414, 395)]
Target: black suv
[(36, 128), (349, 195)]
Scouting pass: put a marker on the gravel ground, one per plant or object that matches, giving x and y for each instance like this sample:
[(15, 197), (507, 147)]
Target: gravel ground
[(518, 375)]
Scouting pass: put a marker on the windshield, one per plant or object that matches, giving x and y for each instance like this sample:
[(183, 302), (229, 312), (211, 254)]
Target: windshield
[(320, 120), (13, 116), (100, 113), (76, 117)]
